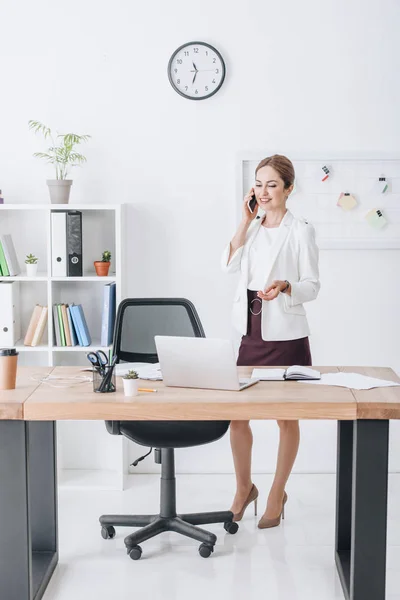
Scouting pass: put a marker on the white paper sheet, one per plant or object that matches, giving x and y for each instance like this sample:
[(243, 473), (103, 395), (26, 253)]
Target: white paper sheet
[(144, 370), (268, 374), (351, 380)]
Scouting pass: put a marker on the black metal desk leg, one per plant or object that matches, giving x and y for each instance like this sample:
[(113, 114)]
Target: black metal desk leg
[(28, 513), (361, 508), (369, 510), (15, 539), (344, 478), (43, 502)]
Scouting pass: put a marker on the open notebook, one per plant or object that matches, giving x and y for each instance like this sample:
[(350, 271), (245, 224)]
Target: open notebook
[(294, 372)]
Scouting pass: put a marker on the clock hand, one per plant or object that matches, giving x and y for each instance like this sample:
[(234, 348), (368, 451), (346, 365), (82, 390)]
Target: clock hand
[(201, 70), (194, 78), (194, 66)]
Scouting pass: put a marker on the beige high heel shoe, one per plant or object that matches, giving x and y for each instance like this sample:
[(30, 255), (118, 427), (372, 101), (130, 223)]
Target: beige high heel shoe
[(265, 523), (252, 497)]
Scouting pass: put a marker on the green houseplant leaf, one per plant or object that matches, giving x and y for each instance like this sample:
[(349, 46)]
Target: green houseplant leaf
[(62, 152), (31, 259)]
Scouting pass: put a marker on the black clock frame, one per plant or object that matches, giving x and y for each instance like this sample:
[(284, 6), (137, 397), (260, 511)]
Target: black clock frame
[(223, 70)]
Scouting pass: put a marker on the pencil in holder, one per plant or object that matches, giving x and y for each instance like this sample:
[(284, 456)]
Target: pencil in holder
[(104, 381)]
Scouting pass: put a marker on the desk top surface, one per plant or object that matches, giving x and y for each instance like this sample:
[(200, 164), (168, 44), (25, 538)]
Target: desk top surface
[(12, 401), (33, 400)]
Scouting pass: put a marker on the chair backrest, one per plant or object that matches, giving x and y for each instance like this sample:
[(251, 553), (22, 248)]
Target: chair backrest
[(140, 319)]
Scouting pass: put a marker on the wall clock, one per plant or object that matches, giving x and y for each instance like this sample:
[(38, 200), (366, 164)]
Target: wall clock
[(196, 70)]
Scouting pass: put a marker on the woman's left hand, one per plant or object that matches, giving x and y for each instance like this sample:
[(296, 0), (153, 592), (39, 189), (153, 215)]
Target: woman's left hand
[(272, 290)]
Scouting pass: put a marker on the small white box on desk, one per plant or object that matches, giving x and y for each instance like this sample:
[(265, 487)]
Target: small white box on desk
[(10, 324)]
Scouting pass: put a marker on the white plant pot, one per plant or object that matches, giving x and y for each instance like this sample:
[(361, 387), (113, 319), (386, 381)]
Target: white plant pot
[(31, 269), (131, 387), (59, 190)]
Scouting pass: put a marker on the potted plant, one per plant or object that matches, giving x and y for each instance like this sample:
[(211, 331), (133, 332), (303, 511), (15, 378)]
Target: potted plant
[(131, 383), (31, 265), (103, 265), (63, 156)]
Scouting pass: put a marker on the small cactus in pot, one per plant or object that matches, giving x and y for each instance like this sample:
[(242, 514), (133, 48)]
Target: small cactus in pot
[(102, 266)]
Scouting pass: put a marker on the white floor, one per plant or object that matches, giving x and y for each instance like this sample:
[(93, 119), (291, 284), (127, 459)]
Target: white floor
[(291, 562)]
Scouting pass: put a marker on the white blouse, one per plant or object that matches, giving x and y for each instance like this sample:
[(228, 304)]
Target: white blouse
[(258, 256)]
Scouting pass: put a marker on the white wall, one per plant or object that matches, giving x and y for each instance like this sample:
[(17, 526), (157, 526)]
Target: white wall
[(301, 77)]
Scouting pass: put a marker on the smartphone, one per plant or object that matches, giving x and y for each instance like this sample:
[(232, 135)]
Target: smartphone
[(252, 203)]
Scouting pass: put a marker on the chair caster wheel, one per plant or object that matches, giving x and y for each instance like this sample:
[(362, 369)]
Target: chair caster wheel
[(107, 532), (135, 553), (231, 527), (205, 550)]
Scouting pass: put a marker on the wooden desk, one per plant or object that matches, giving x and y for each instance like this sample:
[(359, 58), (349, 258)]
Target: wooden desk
[(266, 400), (12, 401), (28, 461)]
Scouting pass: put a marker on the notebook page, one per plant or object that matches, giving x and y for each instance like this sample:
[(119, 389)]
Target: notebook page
[(268, 374), (296, 370)]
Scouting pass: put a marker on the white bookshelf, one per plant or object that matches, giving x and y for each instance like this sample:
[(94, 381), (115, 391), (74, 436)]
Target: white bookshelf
[(102, 228)]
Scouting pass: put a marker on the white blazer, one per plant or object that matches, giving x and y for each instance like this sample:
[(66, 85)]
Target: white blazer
[(294, 256)]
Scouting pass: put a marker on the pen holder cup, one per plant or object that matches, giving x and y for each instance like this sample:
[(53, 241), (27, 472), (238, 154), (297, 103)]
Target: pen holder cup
[(104, 382)]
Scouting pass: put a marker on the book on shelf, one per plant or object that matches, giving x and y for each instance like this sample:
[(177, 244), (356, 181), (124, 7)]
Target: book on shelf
[(56, 328), (37, 311), (66, 243), (10, 324), (10, 254), (75, 324), (66, 325), (74, 243), (3, 263), (78, 319), (38, 334), (61, 325), (58, 244), (69, 326), (74, 339), (108, 314), (36, 326), (294, 373), (63, 330)]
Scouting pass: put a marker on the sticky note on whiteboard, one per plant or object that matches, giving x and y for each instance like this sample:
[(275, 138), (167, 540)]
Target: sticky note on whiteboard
[(325, 173), (382, 185), (346, 201), (375, 218)]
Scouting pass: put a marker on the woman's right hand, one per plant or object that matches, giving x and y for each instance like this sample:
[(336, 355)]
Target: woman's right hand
[(247, 215)]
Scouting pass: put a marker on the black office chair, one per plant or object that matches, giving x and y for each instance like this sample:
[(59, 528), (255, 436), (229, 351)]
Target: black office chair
[(138, 321)]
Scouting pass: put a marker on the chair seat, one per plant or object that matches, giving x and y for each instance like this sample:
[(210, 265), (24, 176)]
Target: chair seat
[(173, 434)]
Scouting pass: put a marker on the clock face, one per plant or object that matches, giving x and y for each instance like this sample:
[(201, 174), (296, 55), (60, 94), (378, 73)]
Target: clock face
[(196, 70)]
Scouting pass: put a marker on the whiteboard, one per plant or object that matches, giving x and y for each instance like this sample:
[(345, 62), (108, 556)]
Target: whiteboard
[(316, 200)]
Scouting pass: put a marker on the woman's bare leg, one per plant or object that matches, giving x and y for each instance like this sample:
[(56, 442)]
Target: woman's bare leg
[(289, 439), (241, 443)]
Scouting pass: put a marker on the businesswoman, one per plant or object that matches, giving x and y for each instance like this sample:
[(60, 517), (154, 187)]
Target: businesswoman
[(277, 258)]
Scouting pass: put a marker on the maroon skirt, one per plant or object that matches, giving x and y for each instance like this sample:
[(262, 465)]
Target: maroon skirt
[(254, 351)]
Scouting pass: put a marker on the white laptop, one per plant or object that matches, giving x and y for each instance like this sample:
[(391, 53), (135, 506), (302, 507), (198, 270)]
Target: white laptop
[(199, 363)]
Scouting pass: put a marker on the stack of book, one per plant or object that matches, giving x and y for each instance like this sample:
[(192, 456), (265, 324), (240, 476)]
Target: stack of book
[(9, 266), (70, 327), (36, 326)]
